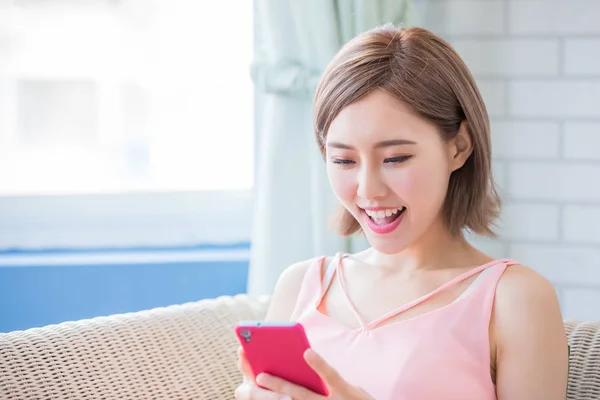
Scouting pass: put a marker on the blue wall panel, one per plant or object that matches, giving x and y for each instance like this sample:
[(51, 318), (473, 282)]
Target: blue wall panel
[(33, 296)]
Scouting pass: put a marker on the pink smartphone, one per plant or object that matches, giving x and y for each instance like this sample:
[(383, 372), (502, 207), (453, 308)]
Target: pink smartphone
[(277, 348)]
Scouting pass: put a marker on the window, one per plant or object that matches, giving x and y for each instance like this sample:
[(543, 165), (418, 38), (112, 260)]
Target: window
[(125, 122)]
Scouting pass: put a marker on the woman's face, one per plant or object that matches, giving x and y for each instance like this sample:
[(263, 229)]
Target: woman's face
[(390, 169)]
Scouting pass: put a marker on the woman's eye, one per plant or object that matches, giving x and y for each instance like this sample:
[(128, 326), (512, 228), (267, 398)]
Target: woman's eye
[(396, 160), (343, 163)]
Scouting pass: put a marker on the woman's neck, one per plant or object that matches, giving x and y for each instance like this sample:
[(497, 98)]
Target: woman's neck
[(436, 249)]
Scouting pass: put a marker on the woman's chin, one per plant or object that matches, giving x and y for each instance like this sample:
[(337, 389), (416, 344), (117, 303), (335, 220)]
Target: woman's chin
[(386, 244), (387, 248)]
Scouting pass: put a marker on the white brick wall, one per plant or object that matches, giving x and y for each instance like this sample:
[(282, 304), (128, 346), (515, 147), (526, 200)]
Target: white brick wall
[(558, 18), (582, 140), (464, 17), (538, 66), (581, 57), (554, 98), (521, 57)]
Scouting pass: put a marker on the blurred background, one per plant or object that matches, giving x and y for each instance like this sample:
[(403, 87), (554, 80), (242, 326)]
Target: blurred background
[(155, 152)]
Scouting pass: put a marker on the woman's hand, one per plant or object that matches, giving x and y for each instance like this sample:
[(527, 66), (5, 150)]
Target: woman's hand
[(338, 388), (248, 390)]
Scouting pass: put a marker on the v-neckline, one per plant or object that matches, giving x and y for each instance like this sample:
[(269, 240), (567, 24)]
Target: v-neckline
[(380, 322)]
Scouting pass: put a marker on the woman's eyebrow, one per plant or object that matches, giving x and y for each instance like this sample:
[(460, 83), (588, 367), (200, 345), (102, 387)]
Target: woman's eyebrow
[(385, 143)]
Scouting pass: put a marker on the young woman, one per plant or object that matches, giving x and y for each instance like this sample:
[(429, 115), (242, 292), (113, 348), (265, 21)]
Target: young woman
[(421, 314)]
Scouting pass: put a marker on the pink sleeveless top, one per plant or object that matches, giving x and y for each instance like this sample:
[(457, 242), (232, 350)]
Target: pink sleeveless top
[(441, 354)]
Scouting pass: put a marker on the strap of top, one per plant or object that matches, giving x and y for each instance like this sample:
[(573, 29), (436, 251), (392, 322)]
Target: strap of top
[(478, 281), (325, 278), (491, 282), (445, 286), (342, 280), (414, 303), (328, 275), (309, 289)]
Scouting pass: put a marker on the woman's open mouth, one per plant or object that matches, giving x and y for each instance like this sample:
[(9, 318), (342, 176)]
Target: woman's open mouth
[(382, 221)]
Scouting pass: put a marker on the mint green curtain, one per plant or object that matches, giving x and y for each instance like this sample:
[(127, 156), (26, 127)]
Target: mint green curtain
[(319, 29), (296, 39)]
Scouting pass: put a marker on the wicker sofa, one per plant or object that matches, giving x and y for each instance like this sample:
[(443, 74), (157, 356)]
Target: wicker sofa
[(179, 352)]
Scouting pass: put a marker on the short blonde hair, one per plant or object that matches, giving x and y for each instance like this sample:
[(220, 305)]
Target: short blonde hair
[(422, 70)]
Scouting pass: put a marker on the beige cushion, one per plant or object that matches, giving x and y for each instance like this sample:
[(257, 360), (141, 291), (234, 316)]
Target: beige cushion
[(178, 352)]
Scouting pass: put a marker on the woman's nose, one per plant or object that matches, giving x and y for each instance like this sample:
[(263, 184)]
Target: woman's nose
[(370, 184)]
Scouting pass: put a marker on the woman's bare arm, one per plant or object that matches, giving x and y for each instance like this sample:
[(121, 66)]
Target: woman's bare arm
[(286, 291), (531, 344)]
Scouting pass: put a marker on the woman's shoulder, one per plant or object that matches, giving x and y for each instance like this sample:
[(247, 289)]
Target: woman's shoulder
[(530, 338), (526, 305), (522, 286), (293, 275), (288, 288)]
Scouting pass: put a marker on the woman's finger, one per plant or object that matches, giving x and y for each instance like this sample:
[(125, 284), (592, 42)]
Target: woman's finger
[(286, 388), (249, 391), (243, 365)]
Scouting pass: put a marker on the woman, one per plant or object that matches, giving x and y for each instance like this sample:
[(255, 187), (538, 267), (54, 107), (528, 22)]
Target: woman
[(421, 314)]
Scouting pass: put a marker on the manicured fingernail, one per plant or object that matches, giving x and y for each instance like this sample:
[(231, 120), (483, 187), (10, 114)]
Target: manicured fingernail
[(310, 355), (285, 398), (262, 378)]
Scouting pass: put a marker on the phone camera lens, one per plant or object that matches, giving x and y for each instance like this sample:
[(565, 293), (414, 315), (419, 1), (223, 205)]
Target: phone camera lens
[(246, 334)]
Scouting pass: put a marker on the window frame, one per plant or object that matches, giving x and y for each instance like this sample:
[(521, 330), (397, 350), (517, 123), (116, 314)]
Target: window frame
[(126, 220)]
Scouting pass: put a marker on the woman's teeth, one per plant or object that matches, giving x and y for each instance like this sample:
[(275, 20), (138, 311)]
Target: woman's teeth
[(384, 213)]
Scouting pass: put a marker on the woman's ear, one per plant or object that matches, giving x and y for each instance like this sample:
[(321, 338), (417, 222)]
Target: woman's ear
[(460, 147)]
